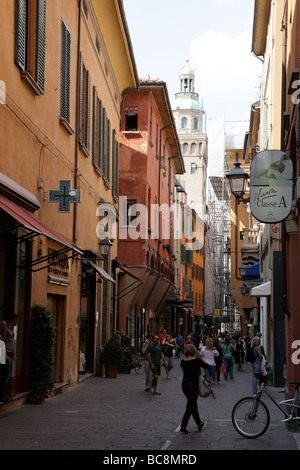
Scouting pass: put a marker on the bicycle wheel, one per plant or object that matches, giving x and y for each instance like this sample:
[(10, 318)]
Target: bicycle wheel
[(124, 367), (250, 418), (138, 366)]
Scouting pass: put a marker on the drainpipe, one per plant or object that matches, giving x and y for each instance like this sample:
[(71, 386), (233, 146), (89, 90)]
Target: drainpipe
[(283, 226), (77, 120)]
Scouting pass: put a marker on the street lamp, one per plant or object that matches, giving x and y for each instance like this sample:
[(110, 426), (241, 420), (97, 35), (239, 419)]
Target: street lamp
[(238, 180), (105, 246), (243, 270)]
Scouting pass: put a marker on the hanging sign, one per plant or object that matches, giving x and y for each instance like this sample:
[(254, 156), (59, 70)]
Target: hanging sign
[(271, 186)]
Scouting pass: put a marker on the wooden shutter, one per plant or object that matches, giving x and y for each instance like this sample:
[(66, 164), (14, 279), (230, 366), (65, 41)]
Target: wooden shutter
[(80, 98), (65, 72), (108, 151), (103, 156), (113, 163), (88, 110), (100, 135), (20, 33), (95, 127), (117, 169), (40, 44)]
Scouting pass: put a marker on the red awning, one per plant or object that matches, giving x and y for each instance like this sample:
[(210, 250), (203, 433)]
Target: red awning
[(29, 222)]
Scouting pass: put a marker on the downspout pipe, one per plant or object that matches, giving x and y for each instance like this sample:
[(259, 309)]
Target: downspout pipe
[(283, 226), (77, 120)]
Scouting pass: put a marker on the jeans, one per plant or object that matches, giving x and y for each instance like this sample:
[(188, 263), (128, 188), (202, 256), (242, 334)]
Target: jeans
[(191, 390), (256, 369), (228, 361), (210, 374)]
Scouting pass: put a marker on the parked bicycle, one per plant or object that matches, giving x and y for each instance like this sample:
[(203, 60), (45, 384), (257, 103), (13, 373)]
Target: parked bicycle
[(251, 417), (135, 362)]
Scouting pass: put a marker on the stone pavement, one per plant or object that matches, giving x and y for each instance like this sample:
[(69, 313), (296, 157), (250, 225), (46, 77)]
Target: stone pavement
[(118, 415)]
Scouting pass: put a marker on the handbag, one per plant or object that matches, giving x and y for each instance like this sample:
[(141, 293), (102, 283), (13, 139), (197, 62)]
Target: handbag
[(223, 369), (204, 387)]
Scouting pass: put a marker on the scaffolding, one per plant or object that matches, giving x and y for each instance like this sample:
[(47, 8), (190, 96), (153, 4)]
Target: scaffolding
[(221, 312)]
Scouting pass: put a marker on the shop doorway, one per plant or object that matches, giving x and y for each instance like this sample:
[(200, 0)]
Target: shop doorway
[(87, 322), (56, 306)]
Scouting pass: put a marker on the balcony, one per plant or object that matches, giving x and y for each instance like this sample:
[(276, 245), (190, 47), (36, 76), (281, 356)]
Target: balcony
[(250, 248)]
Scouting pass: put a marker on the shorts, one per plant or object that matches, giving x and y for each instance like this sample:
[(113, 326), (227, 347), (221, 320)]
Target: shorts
[(156, 370)]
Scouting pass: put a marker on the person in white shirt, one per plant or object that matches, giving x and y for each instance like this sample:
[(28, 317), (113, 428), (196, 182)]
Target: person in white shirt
[(209, 353), (2, 363)]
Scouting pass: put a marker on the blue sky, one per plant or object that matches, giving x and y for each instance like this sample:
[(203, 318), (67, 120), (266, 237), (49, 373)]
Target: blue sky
[(214, 35)]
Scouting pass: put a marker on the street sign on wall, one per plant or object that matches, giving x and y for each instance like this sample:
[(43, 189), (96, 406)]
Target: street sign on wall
[(271, 186)]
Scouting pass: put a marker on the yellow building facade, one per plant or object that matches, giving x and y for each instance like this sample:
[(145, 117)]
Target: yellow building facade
[(62, 86)]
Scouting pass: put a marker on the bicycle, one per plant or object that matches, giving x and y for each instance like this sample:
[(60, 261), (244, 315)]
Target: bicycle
[(136, 363), (251, 417)]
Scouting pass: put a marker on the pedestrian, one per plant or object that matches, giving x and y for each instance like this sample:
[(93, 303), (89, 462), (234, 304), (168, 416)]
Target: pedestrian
[(209, 353), (162, 337), (8, 336), (155, 354), (188, 340), (178, 339), (219, 358), (191, 366), (2, 363), (146, 363), (227, 357), (239, 353), (125, 341), (259, 362), (169, 349)]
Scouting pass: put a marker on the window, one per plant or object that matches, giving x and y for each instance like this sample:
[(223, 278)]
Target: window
[(115, 164), (30, 42), (195, 123), (193, 168), (65, 73), (84, 107), (131, 118), (184, 123)]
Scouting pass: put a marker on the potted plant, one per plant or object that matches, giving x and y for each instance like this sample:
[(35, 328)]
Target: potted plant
[(41, 354), (112, 356)]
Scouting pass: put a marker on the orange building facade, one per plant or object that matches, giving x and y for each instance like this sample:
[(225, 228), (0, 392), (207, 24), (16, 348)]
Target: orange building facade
[(62, 86), (150, 157)]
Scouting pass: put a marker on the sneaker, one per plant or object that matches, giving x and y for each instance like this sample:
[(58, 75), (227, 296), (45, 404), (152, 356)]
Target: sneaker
[(156, 393), (147, 389)]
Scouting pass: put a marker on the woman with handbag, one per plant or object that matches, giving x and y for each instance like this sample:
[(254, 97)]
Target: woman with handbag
[(191, 366)]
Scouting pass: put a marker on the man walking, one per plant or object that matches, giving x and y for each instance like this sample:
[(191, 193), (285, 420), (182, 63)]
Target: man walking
[(155, 355)]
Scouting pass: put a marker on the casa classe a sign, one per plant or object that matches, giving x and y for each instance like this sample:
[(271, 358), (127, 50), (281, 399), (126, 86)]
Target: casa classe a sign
[(271, 186)]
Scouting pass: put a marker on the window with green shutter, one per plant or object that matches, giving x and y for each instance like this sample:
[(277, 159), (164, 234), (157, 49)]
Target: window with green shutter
[(65, 72), (84, 108), (30, 42)]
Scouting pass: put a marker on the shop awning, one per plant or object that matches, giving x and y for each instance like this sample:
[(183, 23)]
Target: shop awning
[(33, 227), (263, 290), (29, 222), (102, 272)]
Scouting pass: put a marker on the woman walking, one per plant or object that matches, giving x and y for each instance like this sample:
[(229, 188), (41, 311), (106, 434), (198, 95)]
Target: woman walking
[(209, 353), (191, 366), (227, 357)]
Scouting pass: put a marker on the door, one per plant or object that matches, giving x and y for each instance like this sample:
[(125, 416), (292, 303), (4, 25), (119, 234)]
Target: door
[(55, 305)]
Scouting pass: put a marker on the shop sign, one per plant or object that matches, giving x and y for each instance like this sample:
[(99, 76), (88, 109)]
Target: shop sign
[(271, 186)]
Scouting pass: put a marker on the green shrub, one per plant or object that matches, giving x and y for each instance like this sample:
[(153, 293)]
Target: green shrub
[(41, 354), (112, 354)]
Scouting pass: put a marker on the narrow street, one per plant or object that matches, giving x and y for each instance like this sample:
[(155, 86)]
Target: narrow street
[(117, 415)]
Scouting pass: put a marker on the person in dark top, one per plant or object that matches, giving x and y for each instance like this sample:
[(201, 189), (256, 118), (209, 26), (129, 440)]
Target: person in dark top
[(191, 366)]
